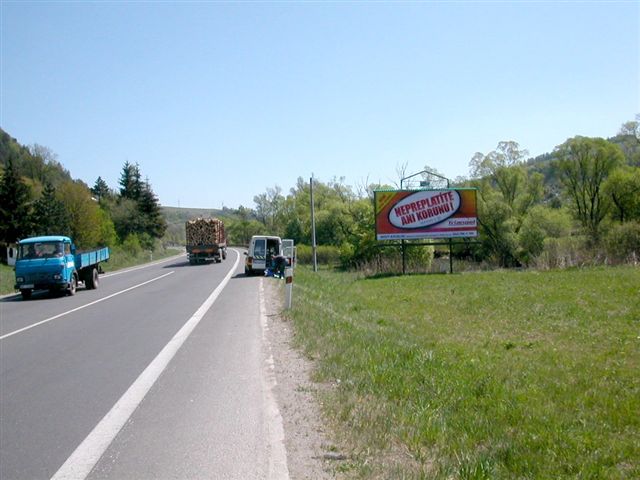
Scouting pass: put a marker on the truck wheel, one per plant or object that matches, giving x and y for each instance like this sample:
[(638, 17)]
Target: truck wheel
[(91, 280), (26, 293), (73, 285)]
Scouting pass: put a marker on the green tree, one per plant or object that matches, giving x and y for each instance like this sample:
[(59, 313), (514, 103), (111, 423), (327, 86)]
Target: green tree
[(540, 223), (270, 209), (14, 205), (49, 215), (504, 166), (497, 227), (154, 222), (294, 230), (507, 193), (241, 225), (623, 188), (127, 218), (101, 190), (84, 213), (107, 235), (130, 183), (583, 165), (628, 139)]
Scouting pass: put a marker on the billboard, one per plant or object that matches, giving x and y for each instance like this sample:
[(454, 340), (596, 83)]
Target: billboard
[(412, 214)]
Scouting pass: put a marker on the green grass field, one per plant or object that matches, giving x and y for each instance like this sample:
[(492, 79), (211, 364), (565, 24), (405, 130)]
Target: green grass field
[(498, 375)]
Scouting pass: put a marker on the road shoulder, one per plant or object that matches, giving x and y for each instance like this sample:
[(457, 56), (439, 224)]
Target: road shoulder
[(306, 438)]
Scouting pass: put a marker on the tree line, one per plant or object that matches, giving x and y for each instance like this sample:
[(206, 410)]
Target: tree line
[(39, 197), (579, 203)]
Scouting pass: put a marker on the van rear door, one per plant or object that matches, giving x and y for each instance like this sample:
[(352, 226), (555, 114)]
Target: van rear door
[(259, 254)]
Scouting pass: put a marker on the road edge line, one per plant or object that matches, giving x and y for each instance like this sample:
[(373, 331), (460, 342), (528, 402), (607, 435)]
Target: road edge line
[(276, 449)]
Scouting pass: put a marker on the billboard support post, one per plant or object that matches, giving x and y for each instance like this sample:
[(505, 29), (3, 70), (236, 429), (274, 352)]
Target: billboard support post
[(404, 258)]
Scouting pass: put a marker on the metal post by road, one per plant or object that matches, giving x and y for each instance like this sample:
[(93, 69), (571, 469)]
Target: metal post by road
[(313, 228), (288, 287)]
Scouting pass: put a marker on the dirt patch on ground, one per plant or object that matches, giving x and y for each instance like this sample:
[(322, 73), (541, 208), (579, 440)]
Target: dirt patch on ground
[(310, 453)]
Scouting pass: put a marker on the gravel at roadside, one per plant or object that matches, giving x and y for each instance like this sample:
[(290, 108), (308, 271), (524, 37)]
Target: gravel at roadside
[(309, 449)]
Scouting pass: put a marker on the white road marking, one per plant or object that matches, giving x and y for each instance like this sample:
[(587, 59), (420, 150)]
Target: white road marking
[(81, 307), (276, 449), (84, 458)]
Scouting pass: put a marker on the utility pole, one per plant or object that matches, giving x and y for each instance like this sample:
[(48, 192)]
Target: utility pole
[(313, 228)]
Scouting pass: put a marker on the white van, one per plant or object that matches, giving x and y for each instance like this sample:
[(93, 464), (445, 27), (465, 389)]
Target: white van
[(262, 249)]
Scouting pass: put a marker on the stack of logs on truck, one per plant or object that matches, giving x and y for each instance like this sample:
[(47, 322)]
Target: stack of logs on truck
[(206, 240)]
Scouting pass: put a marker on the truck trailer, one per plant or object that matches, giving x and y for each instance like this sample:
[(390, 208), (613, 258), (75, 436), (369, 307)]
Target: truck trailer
[(52, 263), (206, 240)]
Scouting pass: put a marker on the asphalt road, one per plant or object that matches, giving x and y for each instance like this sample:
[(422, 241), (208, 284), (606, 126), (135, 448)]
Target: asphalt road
[(162, 372)]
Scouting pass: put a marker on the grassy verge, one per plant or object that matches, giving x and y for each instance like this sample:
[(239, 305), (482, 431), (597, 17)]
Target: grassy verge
[(488, 375), (7, 279), (118, 260)]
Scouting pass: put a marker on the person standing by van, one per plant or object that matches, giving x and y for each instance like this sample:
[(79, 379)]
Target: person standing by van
[(279, 264)]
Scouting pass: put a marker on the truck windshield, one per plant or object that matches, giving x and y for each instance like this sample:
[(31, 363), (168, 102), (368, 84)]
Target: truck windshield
[(40, 250)]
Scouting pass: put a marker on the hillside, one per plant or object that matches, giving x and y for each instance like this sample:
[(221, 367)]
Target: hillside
[(37, 164), (543, 164)]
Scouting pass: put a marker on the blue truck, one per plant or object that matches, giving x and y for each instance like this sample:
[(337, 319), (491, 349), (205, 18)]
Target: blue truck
[(52, 263)]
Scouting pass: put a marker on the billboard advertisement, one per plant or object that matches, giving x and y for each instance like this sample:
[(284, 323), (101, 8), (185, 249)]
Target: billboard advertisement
[(412, 214)]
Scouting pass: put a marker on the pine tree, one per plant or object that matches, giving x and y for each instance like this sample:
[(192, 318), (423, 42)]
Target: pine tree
[(131, 186), (101, 190), (149, 207), (14, 206), (50, 217)]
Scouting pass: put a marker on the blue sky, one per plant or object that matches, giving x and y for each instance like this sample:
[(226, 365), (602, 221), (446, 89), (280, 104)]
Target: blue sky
[(216, 101)]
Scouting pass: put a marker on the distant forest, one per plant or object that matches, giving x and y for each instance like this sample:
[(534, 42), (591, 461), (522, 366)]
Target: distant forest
[(578, 204)]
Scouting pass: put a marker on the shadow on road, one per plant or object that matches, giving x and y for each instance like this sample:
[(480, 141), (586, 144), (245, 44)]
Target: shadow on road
[(37, 295)]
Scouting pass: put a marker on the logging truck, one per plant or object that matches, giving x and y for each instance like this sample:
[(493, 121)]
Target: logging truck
[(206, 240)]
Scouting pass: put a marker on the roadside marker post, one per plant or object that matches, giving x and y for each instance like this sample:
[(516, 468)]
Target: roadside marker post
[(288, 287)]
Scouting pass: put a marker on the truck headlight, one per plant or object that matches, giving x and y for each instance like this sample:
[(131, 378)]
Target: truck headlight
[(19, 279), (57, 276)]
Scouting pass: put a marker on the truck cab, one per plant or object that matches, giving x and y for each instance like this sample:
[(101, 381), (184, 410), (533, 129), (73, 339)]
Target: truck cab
[(262, 248), (43, 263)]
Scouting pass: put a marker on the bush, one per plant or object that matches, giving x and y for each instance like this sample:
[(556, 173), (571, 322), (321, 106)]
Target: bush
[(563, 252), (540, 223), (325, 254), (622, 243), (389, 260), (131, 245)]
